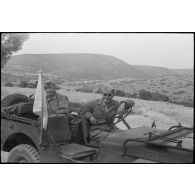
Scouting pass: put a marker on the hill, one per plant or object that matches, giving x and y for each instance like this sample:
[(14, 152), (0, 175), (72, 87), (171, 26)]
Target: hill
[(183, 71), (157, 71), (74, 66)]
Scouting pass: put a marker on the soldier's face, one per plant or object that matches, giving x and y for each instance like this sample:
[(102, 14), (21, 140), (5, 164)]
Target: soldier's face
[(50, 91), (107, 96)]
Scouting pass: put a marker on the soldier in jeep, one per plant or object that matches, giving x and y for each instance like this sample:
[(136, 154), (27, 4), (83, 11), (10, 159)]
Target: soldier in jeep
[(101, 113), (56, 103)]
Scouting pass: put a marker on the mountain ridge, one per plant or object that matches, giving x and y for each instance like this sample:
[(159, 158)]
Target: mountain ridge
[(78, 66)]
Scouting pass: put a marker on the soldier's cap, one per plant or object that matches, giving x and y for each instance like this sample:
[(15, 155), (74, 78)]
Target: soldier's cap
[(107, 89), (49, 84)]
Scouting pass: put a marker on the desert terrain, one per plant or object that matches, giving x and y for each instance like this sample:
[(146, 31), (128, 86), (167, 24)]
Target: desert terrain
[(144, 112)]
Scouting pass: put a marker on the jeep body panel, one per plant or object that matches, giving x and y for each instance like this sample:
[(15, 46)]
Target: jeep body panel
[(14, 132), (111, 147)]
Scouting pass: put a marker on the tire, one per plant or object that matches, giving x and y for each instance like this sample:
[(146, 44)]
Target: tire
[(24, 153), (13, 99)]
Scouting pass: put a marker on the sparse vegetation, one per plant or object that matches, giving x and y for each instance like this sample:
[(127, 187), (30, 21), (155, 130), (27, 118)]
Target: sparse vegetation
[(176, 88), (23, 84), (57, 87), (120, 93), (131, 95), (85, 89), (9, 84), (145, 95)]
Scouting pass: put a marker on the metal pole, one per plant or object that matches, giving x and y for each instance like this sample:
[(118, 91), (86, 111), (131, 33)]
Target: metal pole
[(41, 133)]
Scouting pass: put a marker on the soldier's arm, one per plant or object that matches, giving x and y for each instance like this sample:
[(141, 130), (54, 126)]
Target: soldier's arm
[(64, 106), (128, 103), (87, 109)]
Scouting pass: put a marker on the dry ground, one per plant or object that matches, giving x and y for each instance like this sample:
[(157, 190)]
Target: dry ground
[(144, 112)]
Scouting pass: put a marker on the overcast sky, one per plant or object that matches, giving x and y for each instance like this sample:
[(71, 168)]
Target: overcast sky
[(166, 50)]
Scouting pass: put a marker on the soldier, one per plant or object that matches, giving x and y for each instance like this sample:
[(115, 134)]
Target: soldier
[(101, 113), (56, 103)]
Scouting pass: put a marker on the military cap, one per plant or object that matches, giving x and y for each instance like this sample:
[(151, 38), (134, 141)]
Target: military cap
[(49, 84), (107, 89)]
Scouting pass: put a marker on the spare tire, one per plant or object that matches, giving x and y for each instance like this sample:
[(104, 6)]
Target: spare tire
[(14, 98)]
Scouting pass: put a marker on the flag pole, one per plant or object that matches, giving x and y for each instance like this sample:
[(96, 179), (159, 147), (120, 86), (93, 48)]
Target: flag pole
[(40, 105), (41, 133)]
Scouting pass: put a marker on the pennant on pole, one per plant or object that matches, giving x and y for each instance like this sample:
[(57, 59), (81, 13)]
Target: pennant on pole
[(40, 102)]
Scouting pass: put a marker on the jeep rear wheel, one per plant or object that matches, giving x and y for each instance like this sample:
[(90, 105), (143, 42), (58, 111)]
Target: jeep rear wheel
[(13, 99), (24, 153)]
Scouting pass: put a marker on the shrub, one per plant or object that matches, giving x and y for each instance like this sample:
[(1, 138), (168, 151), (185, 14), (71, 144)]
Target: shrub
[(131, 95), (57, 87), (156, 96), (159, 97), (85, 89), (23, 84), (119, 92), (9, 84), (179, 92), (145, 95), (98, 90)]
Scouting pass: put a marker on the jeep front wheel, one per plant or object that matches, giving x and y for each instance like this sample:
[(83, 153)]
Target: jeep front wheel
[(24, 153)]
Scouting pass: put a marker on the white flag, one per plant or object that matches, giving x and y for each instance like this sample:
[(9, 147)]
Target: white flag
[(40, 102)]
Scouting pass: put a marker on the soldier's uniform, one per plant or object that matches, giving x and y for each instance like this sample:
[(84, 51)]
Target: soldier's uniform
[(104, 113), (58, 102), (55, 101)]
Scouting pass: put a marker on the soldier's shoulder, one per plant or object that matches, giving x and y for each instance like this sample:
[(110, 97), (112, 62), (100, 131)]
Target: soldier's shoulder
[(115, 102), (96, 101), (60, 96)]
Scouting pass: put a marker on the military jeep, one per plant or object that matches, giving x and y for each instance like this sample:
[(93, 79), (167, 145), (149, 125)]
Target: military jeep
[(67, 138)]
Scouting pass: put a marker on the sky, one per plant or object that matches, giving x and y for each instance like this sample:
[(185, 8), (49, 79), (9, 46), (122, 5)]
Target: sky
[(170, 50)]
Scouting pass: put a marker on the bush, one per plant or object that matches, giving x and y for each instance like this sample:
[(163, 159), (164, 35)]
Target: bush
[(9, 84), (23, 84), (119, 92), (159, 97), (156, 96), (98, 90), (57, 87), (85, 89), (131, 95), (145, 95)]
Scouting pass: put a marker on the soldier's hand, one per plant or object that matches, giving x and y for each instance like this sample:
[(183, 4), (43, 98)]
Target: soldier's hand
[(121, 109), (93, 120)]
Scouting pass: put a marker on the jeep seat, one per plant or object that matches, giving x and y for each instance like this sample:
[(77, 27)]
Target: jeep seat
[(77, 151), (58, 127)]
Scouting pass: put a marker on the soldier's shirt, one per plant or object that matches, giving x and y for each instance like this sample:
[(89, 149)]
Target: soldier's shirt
[(104, 112), (58, 102)]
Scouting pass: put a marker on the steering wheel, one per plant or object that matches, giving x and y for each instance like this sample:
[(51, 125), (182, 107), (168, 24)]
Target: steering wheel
[(174, 127), (122, 117)]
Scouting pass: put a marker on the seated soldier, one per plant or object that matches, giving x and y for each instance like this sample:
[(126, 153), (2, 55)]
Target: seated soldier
[(101, 113), (56, 103)]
